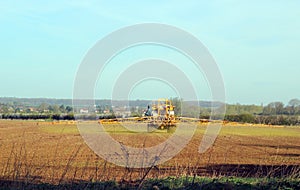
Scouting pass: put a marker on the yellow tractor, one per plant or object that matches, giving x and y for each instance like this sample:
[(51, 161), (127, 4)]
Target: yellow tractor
[(161, 115)]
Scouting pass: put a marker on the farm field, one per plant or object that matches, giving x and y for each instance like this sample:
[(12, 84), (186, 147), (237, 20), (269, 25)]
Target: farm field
[(54, 152)]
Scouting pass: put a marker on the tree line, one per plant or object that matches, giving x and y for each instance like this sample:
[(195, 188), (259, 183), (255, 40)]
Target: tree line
[(51, 116), (274, 113)]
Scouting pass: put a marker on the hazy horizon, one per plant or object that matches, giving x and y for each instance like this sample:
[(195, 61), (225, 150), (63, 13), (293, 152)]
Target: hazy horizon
[(187, 100)]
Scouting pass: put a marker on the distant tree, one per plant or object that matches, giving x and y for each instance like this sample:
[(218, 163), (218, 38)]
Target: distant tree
[(54, 109), (274, 108), (5, 109), (69, 109), (177, 102), (42, 107), (62, 109), (268, 110), (190, 111), (205, 113), (243, 109), (279, 107), (294, 102), (294, 106), (17, 110), (246, 118)]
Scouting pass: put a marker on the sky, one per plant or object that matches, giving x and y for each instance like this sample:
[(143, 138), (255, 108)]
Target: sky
[(254, 43)]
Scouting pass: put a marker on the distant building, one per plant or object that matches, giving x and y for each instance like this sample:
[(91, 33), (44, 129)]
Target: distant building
[(83, 111), (123, 112), (106, 111)]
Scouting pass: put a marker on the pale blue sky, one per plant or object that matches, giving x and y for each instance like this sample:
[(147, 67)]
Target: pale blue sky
[(255, 43)]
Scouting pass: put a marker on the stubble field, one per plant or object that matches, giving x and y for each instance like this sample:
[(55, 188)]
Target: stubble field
[(55, 153)]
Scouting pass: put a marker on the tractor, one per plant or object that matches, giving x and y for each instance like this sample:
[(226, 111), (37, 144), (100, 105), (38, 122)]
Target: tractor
[(161, 114)]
